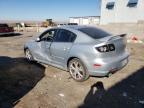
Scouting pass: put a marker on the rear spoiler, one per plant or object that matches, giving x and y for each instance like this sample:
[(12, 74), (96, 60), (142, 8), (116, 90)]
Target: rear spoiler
[(121, 35)]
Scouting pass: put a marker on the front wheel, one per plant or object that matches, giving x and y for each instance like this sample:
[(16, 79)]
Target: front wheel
[(77, 70), (28, 55)]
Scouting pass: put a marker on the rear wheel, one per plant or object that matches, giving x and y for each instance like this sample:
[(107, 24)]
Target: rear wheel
[(28, 55), (77, 70)]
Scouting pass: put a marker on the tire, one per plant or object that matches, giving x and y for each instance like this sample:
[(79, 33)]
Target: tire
[(28, 55), (78, 70)]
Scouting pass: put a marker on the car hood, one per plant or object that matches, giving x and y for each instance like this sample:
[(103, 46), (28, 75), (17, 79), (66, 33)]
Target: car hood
[(34, 37)]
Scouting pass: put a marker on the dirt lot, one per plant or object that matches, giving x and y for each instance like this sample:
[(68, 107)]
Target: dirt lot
[(32, 85)]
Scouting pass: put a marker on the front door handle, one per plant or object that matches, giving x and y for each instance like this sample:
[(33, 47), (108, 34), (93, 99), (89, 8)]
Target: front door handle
[(66, 48)]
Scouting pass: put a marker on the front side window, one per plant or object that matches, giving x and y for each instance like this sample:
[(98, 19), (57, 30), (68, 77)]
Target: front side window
[(95, 33), (65, 36), (48, 35)]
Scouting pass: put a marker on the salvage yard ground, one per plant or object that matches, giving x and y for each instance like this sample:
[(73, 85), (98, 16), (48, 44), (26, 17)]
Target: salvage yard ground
[(33, 85)]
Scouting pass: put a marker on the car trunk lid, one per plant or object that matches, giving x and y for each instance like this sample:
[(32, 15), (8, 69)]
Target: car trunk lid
[(119, 42)]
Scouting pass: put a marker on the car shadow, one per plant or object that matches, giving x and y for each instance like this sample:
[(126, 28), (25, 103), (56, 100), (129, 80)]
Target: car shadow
[(11, 35), (129, 93), (17, 78)]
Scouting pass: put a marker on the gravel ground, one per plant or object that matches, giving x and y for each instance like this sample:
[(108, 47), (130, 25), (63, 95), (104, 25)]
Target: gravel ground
[(33, 85)]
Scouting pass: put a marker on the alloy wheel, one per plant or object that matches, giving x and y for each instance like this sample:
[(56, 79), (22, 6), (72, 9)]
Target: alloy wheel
[(28, 55), (77, 70)]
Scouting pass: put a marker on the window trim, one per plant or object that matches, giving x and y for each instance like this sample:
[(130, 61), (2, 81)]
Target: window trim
[(58, 30)]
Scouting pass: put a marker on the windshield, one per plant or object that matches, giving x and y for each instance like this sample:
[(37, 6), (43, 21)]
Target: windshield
[(3, 25), (95, 33)]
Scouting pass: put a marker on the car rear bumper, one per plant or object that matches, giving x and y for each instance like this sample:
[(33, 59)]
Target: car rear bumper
[(111, 66)]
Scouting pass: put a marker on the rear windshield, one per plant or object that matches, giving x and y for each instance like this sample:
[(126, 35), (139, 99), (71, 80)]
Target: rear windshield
[(94, 32), (3, 25)]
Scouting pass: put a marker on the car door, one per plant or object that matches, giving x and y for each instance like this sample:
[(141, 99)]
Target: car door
[(61, 46), (44, 44)]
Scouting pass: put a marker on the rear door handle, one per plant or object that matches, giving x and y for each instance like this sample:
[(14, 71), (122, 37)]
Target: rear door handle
[(47, 46)]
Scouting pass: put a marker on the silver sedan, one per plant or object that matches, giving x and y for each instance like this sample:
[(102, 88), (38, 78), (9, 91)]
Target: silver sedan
[(81, 50)]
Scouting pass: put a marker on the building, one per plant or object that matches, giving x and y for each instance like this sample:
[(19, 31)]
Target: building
[(122, 11), (86, 20)]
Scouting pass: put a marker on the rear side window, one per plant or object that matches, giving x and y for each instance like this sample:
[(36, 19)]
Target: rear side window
[(94, 32), (65, 36)]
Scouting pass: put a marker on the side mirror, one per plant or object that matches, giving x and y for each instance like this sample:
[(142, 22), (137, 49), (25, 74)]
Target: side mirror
[(38, 39)]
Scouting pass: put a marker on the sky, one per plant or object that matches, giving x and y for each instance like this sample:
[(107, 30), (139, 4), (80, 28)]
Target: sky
[(59, 10)]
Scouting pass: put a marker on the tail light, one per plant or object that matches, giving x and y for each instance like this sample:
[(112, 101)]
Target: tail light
[(106, 48)]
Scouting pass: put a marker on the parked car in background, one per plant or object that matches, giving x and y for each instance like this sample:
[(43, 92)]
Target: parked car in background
[(72, 23), (66, 24), (59, 25), (5, 29), (81, 50)]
